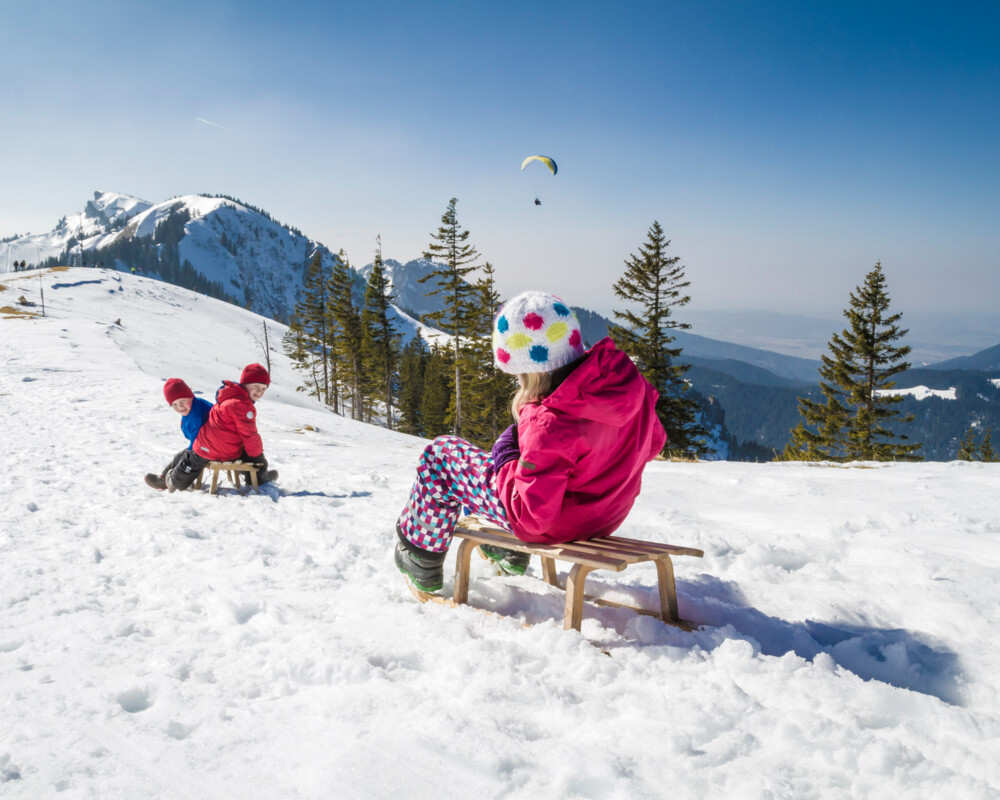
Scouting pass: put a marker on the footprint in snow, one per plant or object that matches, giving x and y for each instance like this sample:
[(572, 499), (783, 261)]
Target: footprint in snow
[(135, 699)]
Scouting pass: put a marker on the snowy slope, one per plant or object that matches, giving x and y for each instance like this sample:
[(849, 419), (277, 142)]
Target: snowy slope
[(189, 646), (256, 260)]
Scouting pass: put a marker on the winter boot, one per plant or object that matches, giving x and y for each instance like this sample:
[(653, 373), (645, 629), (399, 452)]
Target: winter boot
[(262, 477), (156, 482), (510, 562), (424, 569)]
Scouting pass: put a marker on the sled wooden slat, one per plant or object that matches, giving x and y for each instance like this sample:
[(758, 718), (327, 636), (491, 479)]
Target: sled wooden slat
[(232, 469), (607, 552)]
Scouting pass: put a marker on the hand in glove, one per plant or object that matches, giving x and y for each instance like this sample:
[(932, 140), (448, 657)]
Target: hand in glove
[(505, 449)]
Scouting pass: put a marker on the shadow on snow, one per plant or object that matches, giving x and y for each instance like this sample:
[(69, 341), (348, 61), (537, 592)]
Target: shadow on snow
[(895, 656)]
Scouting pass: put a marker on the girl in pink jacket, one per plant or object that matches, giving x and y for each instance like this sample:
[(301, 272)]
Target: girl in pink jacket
[(569, 469)]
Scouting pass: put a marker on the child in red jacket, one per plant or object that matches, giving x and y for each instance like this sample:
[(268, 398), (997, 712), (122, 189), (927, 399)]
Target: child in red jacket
[(230, 432), (571, 466)]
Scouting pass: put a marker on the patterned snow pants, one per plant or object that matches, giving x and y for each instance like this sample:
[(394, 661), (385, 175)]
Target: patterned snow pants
[(451, 476)]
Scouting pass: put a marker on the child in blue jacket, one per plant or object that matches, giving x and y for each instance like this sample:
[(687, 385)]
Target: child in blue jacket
[(193, 411)]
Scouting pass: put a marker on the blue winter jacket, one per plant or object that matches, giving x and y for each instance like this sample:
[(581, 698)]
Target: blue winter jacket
[(192, 421)]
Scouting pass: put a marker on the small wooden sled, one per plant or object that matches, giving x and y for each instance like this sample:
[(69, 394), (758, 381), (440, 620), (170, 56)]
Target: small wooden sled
[(232, 469), (608, 552)]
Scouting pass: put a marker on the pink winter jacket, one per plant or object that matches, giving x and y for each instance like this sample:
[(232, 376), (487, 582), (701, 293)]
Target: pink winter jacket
[(583, 449)]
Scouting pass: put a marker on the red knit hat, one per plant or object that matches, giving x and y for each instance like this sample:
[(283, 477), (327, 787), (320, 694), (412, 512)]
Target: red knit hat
[(255, 373), (176, 389)]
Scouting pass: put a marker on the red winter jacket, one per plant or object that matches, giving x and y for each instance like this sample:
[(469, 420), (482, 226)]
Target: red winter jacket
[(583, 449), (231, 426)]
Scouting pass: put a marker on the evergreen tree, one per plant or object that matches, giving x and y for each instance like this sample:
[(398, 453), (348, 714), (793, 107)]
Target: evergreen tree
[(412, 363), (450, 246), (313, 313), (488, 389), (437, 394), (381, 338), (294, 345), (986, 452), (967, 447), (655, 282), (856, 379), (311, 338), (350, 342)]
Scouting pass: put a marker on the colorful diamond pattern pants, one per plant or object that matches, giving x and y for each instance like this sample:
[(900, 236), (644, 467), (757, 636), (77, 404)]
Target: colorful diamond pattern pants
[(451, 478)]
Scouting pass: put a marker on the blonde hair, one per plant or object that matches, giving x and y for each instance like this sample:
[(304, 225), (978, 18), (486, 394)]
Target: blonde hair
[(531, 387)]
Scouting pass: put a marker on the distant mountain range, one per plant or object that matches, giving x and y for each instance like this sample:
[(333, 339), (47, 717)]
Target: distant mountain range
[(934, 336), (987, 360), (232, 250)]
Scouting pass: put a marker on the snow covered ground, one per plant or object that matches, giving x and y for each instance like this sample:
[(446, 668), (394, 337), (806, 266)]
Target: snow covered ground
[(190, 646), (919, 392)]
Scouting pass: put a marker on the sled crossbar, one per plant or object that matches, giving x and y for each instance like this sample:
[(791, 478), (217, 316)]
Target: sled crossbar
[(232, 469), (615, 553)]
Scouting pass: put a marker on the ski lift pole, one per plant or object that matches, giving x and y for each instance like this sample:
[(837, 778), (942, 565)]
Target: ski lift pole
[(41, 290)]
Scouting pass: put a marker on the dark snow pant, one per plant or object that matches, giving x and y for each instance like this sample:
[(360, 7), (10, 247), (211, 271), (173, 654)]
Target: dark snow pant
[(190, 465), (451, 476), (173, 463), (187, 469)]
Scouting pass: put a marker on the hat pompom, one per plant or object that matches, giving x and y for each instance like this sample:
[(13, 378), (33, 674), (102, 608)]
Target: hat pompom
[(535, 332), (176, 389)]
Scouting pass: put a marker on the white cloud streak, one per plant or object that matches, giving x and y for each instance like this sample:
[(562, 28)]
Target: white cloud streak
[(213, 124)]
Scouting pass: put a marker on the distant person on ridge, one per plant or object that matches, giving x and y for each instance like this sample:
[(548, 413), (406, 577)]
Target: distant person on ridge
[(230, 432), (193, 410), (570, 468)]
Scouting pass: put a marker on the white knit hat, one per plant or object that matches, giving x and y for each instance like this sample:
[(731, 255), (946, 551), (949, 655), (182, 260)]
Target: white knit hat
[(535, 332)]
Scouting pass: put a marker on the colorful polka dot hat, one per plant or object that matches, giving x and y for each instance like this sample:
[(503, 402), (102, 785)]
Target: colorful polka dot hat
[(535, 332)]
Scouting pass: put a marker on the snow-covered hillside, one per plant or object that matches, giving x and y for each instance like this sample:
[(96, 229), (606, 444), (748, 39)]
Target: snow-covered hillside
[(253, 259), (264, 646)]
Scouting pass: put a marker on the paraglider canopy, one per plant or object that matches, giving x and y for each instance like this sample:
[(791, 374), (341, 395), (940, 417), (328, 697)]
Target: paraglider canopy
[(544, 159)]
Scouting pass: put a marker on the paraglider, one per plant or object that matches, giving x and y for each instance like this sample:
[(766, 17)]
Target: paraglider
[(551, 164), (548, 162)]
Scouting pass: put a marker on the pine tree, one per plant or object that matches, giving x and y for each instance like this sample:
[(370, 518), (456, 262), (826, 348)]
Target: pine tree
[(350, 341), (856, 379), (967, 447), (381, 338), (412, 363), (986, 452), (311, 337), (655, 282), (488, 390), (294, 345), (449, 245), (312, 311), (437, 395)]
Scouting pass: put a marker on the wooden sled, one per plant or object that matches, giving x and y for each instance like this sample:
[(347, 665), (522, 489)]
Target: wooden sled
[(608, 552), (232, 469)]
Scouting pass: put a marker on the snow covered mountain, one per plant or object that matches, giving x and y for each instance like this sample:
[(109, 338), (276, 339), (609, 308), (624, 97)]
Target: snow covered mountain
[(178, 646), (408, 293), (216, 244)]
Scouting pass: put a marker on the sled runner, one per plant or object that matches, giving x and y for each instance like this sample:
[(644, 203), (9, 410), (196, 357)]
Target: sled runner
[(609, 552), (232, 469)]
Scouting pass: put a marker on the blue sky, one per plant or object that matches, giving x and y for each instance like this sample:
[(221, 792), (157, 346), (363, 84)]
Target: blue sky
[(785, 147)]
